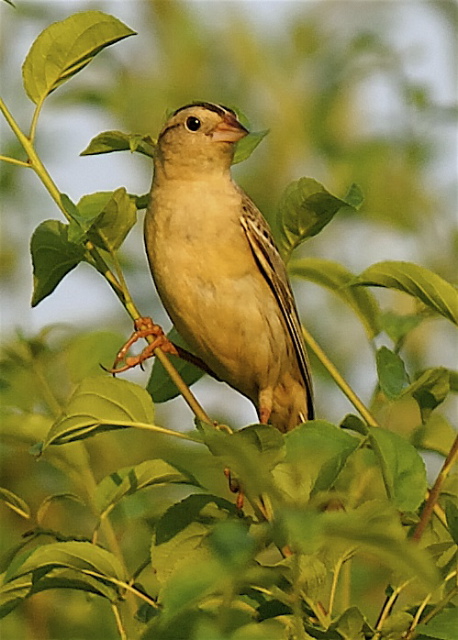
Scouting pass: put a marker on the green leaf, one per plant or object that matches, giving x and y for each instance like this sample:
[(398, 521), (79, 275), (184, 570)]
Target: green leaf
[(205, 508), (398, 326), (93, 565), (66, 47), (404, 469), (437, 434), (160, 386), (430, 389), (249, 453), (128, 481), (141, 202), (304, 209), (354, 196), (43, 509), (61, 578), (300, 529), (15, 503), (53, 256), (13, 593), (435, 292), (354, 423), (80, 556), (375, 527), (336, 278), (115, 219), (232, 545), (441, 627), (352, 625), (101, 404), (396, 625), (453, 380), (189, 585), (391, 372), (183, 625), (7, 557), (87, 353), (275, 629), (316, 453), (90, 207), (186, 544), (109, 141), (245, 147)]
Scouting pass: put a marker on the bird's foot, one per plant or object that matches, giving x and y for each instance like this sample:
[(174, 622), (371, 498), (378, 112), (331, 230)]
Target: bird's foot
[(264, 415), (143, 327)]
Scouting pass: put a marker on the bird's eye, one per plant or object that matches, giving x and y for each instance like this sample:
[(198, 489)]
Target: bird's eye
[(193, 124)]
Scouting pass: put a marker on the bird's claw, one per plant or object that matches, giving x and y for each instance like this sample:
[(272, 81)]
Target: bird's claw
[(143, 328)]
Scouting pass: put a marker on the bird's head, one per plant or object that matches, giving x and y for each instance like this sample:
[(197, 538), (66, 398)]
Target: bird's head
[(198, 137)]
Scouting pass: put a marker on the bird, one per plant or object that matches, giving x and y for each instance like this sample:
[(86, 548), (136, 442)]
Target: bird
[(217, 269)]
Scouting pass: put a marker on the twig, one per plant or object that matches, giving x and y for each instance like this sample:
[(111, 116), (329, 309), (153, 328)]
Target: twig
[(435, 491), (339, 380)]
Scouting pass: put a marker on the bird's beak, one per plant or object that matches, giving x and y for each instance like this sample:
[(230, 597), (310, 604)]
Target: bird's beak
[(229, 130)]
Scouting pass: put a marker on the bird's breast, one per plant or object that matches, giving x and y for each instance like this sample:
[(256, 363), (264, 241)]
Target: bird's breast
[(195, 230), (210, 285)]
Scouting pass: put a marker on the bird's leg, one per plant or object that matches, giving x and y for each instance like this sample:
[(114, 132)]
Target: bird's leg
[(143, 327), (265, 401)]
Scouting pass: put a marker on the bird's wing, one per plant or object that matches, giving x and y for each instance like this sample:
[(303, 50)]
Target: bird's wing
[(273, 269)]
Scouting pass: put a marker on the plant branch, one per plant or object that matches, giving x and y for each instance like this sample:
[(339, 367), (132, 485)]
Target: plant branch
[(335, 579), (152, 427), (119, 624), (339, 380), (387, 607), (33, 125), (417, 616), (34, 160), (20, 163), (439, 606), (435, 491), (122, 584)]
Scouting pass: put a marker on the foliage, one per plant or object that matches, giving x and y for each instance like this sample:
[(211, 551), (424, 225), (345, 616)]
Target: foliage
[(338, 536)]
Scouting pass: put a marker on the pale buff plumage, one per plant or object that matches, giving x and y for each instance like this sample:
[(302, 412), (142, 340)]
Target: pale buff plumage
[(217, 270)]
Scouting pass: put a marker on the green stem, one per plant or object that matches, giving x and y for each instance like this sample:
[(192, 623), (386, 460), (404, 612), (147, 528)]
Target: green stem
[(90, 487), (20, 163), (34, 160), (155, 428), (341, 562), (96, 260), (339, 380), (123, 585), (440, 605), (33, 125), (118, 619), (297, 600), (417, 616), (387, 607)]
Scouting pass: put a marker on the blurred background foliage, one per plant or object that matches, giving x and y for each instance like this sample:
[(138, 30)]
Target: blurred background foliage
[(351, 91)]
